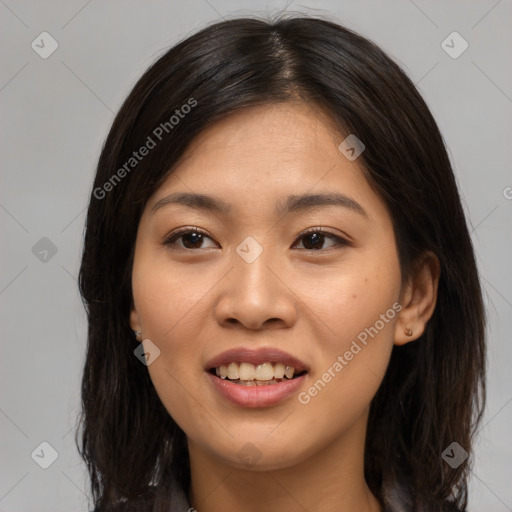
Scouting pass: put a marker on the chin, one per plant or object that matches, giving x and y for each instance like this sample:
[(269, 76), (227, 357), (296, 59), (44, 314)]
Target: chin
[(257, 453)]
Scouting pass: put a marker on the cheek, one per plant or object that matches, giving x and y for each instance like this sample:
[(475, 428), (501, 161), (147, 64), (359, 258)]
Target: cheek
[(354, 298), (166, 296), (360, 308), (169, 305), (351, 369)]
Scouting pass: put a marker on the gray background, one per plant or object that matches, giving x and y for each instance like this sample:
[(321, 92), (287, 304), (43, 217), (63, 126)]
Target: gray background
[(55, 115)]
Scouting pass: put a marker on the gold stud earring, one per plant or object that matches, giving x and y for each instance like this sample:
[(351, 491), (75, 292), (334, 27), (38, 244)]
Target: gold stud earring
[(408, 331)]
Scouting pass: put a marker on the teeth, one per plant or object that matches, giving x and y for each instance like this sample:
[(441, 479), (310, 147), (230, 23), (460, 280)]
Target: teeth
[(256, 382), (233, 371), (247, 371), (288, 371), (263, 373), (279, 371)]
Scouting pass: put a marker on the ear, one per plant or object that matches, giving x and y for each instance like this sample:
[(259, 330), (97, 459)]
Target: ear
[(134, 319), (418, 299)]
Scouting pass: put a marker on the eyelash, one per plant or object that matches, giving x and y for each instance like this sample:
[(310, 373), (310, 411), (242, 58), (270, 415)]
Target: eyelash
[(340, 242)]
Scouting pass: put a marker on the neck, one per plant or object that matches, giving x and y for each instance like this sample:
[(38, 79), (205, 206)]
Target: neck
[(331, 479)]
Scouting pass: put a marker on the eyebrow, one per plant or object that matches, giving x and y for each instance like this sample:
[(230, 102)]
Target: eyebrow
[(292, 204)]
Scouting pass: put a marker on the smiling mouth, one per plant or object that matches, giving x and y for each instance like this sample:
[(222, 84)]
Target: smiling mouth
[(248, 374)]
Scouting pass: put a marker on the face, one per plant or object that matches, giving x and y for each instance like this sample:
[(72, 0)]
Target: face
[(309, 283)]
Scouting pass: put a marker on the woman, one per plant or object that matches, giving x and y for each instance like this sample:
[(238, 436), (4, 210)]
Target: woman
[(284, 307)]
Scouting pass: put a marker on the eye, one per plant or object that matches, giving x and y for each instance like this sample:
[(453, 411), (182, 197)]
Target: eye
[(315, 237), (191, 238)]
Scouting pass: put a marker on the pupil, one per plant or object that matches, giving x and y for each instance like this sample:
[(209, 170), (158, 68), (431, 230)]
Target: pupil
[(191, 236), (315, 237)]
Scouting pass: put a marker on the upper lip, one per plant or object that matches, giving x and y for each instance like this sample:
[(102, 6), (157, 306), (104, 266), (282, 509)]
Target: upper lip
[(256, 356)]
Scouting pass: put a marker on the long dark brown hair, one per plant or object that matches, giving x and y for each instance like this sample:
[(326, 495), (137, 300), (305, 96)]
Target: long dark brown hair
[(434, 390)]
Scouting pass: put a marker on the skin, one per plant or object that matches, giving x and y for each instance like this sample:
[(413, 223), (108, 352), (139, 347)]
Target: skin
[(196, 302)]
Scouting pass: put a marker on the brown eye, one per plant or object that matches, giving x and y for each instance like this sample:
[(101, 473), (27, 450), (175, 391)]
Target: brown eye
[(191, 239), (313, 240)]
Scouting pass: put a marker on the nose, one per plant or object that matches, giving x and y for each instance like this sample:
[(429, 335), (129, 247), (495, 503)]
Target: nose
[(256, 296)]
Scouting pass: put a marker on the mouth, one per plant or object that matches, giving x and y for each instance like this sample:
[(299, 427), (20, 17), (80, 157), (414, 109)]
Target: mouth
[(249, 377), (248, 374)]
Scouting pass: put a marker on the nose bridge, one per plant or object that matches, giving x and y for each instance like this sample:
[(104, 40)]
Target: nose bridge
[(252, 273)]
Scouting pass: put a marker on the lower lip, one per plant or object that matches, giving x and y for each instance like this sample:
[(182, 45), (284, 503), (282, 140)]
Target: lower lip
[(256, 396)]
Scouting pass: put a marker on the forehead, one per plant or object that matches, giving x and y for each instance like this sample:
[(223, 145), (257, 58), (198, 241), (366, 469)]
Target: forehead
[(277, 132), (266, 153)]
